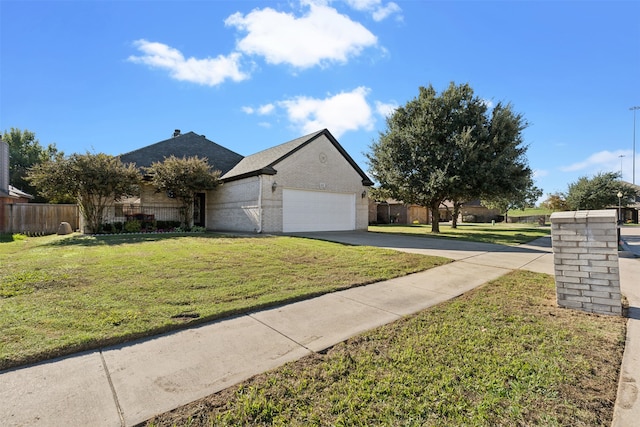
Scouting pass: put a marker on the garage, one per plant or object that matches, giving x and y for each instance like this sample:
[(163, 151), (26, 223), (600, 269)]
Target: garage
[(304, 210)]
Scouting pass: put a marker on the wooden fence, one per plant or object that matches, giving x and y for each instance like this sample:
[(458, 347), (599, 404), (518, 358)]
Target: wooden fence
[(37, 218)]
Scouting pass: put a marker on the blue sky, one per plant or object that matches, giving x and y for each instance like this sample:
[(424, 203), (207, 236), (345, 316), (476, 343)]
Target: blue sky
[(114, 76)]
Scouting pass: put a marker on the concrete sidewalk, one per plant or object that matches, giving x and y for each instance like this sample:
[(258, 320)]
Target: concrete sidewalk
[(627, 409), (127, 384)]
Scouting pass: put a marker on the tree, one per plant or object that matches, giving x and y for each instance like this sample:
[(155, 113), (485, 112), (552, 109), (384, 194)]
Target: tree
[(519, 199), (25, 152), (182, 179), (599, 192), (94, 181), (555, 202), (449, 147)]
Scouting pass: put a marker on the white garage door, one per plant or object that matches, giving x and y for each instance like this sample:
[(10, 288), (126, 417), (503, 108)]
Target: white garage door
[(317, 211)]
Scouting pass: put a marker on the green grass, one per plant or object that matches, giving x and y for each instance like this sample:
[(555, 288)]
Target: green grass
[(64, 294), (501, 355), (529, 212), (504, 234)]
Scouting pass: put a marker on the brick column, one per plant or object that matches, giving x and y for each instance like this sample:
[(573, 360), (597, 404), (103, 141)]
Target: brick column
[(585, 254)]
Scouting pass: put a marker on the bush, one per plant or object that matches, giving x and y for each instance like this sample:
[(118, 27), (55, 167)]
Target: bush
[(132, 226)]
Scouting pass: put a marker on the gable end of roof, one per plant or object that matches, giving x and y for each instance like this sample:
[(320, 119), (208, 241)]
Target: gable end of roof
[(263, 163)]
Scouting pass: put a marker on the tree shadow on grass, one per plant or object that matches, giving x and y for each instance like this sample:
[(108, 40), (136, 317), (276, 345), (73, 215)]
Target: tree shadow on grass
[(122, 239)]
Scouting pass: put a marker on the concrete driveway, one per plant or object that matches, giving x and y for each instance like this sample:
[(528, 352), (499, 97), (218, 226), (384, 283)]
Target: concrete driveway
[(535, 256)]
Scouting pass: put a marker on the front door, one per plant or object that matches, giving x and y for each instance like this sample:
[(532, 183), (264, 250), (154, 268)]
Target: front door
[(199, 206)]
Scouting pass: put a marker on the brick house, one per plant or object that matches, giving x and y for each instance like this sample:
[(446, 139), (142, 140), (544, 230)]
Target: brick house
[(307, 184)]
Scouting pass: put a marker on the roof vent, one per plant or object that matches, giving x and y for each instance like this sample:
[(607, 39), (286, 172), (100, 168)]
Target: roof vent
[(176, 133)]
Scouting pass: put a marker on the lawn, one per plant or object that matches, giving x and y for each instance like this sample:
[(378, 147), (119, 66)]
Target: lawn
[(62, 294), (505, 234), (501, 355), (529, 212)]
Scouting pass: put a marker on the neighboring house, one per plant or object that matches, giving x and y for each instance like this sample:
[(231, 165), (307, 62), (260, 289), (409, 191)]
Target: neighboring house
[(307, 184), (9, 195)]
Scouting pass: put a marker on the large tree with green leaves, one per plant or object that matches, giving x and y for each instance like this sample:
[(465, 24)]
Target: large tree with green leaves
[(451, 147), (183, 178), (94, 181), (25, 152), (599, 192)]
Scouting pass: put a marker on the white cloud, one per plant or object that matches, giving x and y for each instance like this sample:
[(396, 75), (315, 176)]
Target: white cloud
[(346, 111), (207, 71), (319, 37), (262, 110), (385, 109), (379, 12), (603, 160), (540, 173)]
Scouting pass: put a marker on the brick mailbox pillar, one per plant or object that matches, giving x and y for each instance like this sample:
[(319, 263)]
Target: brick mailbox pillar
[(585, 255)]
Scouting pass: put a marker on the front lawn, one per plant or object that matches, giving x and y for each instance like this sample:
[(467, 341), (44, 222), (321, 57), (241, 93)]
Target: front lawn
[(503, 354), (64, 294), (500, 233)]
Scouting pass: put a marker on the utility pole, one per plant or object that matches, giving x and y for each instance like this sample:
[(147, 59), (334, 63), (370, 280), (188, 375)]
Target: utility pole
[(634, 109)]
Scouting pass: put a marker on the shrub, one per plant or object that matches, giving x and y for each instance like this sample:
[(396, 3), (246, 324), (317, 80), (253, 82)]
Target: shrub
[(132, 226)]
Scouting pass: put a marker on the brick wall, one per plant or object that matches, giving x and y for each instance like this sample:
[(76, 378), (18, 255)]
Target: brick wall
[(303, 170), (585, 251), (235, 206)]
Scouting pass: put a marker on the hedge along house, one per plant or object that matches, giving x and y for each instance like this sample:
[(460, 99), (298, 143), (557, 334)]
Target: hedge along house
[(307, 184)]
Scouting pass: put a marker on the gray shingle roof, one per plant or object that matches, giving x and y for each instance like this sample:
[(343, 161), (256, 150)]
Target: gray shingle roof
[(264, 161), (188, 144)]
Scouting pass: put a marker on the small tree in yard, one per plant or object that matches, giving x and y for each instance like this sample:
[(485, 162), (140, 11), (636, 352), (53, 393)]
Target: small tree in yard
[(94, 181), (555, 202), (183, 178)]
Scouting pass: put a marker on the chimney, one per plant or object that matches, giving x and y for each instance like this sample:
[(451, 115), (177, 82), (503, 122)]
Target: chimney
[(4, 166), (176, 133)]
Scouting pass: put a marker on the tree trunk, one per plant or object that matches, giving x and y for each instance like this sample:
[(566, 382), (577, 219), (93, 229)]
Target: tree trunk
[(435, 217), (454, 216)]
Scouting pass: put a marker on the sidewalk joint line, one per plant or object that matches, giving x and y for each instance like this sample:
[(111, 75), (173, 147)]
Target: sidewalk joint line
[(278, 332), (113, 389), (373, 306)]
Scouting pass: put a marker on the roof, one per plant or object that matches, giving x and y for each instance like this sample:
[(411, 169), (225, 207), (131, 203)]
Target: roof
[(263, 163), (188, 144), (14, 193)]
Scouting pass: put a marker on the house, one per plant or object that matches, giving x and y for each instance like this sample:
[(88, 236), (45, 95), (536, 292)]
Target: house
[(9, 195), (307, 184)]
